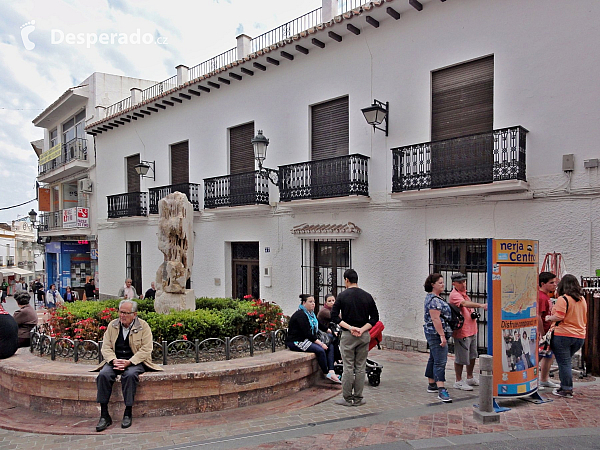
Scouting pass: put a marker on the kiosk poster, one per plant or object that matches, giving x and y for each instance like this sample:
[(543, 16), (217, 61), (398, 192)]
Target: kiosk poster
[(514, 276)]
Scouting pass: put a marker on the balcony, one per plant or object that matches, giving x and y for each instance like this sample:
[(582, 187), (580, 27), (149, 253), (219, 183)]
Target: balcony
[(250, 188), (327, 178), (191, 191), (63, 160), (130, 204), (76, 217), (497, 156)]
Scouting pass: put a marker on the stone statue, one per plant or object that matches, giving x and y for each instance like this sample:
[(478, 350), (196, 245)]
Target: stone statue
[(176, 241)]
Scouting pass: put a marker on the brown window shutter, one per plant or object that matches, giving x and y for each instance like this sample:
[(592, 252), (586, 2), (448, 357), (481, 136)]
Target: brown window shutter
[(241, 151), (330, 129), (180, 163), (133, 179), (463, 99)]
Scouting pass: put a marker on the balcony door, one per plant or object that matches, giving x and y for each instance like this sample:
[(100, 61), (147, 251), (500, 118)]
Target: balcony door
[(245, 269), (462, 117), (133, 179), (241, 161), (180, 163)]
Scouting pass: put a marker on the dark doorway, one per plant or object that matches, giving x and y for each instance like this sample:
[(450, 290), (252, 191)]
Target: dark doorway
[(245, 269)]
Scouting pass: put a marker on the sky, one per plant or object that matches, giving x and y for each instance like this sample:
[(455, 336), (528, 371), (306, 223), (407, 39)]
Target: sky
[(38, 64)]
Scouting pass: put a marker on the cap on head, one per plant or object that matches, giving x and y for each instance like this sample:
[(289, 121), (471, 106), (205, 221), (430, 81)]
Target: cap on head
[(458, 277)]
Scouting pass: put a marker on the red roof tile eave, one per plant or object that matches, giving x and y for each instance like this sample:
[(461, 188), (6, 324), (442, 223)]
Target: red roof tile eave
[(303, 34)]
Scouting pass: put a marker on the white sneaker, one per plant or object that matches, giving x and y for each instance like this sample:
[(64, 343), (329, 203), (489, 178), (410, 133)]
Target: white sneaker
[(473, 381), (549, 384), (462, 386)]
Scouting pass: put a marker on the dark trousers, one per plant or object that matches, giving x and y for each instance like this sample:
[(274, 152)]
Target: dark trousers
[(324, 357), (129, 381)]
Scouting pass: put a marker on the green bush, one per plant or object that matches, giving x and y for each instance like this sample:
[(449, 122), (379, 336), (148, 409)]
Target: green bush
[(213, 318)]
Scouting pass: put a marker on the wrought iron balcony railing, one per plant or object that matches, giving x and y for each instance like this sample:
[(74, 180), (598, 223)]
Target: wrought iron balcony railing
[(191, 191), (75, 149), (130, 204), (476, 159), (250, 188), (333, 177), (51, 220)]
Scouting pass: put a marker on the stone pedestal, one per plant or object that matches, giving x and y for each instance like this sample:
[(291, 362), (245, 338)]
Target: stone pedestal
[(168, 301)]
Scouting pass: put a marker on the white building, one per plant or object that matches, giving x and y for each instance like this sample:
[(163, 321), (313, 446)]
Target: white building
[(485, 100), (20, 256), (66, 174)]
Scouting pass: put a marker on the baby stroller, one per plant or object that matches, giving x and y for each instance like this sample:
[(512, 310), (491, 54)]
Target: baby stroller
[(373, 369)]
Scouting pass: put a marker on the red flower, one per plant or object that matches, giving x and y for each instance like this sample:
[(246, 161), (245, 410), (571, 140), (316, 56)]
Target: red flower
[(103, 327), (184, 337), (261, 315)]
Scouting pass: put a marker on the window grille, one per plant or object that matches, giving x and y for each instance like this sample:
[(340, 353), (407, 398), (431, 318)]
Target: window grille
[(468, 256), (323, 266)]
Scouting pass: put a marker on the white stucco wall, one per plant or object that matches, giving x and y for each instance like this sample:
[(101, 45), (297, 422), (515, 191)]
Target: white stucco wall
[(544, 73)]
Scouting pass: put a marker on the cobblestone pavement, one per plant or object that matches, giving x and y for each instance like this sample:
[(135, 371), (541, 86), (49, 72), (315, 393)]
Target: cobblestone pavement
[(398, 411)]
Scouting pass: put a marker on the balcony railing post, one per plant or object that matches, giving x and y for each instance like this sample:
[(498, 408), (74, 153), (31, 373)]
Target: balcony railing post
[(164, 352)]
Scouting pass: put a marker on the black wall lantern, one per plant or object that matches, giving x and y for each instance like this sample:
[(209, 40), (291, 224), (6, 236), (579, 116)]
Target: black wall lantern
[(260, 144), (377, 113), (143, 167)]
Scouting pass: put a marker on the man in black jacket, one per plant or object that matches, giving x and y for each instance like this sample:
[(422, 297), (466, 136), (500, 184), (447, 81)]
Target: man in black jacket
[(359, 314)]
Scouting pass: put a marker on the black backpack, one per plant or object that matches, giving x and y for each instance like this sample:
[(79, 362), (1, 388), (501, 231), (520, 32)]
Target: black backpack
[(456, 319)]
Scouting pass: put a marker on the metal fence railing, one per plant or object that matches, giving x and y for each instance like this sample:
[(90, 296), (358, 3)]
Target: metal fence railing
[(179, 351), (118, 107), (159, 88), (214, 63), (291, 28)]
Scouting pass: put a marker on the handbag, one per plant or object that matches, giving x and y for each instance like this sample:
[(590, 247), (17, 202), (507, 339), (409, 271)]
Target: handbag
[(324, 337), (545, 341)]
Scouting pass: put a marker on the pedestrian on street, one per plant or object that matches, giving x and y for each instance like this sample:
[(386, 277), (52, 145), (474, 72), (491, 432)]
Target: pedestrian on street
[(465, 338), (53, 297), (4, 288), (570, 317), (128, 291), (90, 289), (547, 287), (437, 332), (151, 293), (360, 314)]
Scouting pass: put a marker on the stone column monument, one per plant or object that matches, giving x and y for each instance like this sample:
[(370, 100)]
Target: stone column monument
[(176, 241)]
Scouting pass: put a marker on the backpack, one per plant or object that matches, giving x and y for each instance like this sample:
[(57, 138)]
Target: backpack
[(456, 319)]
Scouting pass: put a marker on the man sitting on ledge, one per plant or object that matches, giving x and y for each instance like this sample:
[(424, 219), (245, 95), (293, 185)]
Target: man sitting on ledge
[(127, 351)]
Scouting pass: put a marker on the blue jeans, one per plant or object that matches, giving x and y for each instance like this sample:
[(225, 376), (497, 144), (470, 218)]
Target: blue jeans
[(324, 357), (438, 355), (564, 348)]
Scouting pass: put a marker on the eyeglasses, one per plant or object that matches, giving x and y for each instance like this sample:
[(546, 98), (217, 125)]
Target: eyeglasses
[(125, 313)]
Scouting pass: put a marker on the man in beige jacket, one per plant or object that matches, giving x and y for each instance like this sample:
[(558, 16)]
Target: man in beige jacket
[(127, 351)]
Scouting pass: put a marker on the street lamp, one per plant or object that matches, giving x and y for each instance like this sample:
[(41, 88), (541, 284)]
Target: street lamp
[(143, 167), (260, 144), (377, 113)]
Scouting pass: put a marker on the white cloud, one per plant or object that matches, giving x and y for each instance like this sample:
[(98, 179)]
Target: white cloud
[(32, 80)]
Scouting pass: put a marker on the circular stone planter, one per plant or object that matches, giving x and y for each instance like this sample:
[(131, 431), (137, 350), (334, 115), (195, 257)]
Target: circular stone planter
[(70, 389)]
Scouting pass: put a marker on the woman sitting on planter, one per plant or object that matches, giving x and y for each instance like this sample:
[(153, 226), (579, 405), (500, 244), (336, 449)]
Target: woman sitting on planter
[(302, 336)]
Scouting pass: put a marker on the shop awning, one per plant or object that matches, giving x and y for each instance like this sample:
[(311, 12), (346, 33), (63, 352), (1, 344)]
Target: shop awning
[(19, 271), (7, 272)]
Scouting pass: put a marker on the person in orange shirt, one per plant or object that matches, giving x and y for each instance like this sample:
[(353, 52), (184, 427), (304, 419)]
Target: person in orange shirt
[(570, 317), (465, 338)]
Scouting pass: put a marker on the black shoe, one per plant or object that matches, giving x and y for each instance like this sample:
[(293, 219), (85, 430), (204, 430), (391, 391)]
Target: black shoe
[(103, 423), (126, 422)]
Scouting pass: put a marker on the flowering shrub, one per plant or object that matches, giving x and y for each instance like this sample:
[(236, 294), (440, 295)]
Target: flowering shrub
[(266, 316), (67, 324), (214, 317)]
